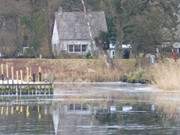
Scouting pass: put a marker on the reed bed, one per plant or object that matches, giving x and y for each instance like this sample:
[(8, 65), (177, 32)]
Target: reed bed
[(167, 106), (75, 70), (166, 75)]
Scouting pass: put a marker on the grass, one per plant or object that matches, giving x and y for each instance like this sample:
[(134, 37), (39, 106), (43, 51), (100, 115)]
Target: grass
[(166, 75)]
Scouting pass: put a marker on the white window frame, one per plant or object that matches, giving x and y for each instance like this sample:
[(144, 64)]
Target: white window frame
[(77, 52)]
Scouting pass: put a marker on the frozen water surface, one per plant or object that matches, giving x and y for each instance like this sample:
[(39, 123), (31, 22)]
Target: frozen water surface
[(90, 109)]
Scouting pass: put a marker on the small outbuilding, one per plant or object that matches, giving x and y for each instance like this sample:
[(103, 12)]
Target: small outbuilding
[(126, 50), (176, 46)]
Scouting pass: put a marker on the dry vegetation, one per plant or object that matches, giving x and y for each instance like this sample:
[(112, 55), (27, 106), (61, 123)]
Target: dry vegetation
[(71, 70), (166, 75), (169, 107)]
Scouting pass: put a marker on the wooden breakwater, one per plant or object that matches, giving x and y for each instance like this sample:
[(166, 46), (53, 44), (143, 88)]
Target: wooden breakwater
[(23, 82)]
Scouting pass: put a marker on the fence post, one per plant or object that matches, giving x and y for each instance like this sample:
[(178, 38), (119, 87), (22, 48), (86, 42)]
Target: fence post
[(7, 73), (40, 75), (12, 74), (17, 77), (2, 73), (27, 74), (21, 74)]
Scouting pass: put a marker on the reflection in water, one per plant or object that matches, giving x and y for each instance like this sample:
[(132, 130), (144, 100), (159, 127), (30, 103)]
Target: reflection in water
[(39, 116), (55, 117), (24, 119)]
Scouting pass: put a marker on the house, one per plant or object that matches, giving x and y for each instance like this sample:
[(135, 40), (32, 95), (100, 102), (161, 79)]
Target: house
[(176, 46), (74, 32), (171, 46)]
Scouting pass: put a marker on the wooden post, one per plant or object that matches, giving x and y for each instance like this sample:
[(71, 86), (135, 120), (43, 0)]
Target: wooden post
[(2, 72), (39, 116), (21, 74), (17, 77), (7, 111), (27, 111), (40, 75), (7, 71), (12, 74), (2, 110), (17, 108), (34, 77), (39, 69), (12, 110), (30, 73), (21, 109), (27, 74)]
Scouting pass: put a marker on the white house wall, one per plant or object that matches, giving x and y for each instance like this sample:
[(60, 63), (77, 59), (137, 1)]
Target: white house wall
[(55, 37), (111, 53)]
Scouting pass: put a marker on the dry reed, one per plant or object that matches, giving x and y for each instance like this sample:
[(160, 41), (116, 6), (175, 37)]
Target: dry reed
[(166, 75), (76, 70)]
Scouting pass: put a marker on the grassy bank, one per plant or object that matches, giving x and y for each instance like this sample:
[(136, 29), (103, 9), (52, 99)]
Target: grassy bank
[(138, 75), (69, 70), (166, 75)]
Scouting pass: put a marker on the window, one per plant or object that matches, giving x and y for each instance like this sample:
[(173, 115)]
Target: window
[(71, 107), (71, 48), (84, 48), (77, 48), (84, 107), (77, 107)]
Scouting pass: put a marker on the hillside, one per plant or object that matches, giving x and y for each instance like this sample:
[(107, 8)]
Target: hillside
[(29, 22)]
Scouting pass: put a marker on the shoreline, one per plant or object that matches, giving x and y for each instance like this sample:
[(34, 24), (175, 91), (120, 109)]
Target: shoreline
[(96, 71), (149, 86)]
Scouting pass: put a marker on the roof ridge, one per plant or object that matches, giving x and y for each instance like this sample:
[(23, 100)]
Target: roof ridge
[(72, 25), (82, 12)]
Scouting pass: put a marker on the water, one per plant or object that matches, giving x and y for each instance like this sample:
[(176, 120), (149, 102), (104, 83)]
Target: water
[(118, 109)]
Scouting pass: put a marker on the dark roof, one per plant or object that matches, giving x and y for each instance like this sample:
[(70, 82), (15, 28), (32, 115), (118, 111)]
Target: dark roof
[(74, 25)]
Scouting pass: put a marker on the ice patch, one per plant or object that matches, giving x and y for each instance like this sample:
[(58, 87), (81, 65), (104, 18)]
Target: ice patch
[(127, 108)]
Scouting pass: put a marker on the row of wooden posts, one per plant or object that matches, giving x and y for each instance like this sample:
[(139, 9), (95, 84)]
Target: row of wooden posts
[(18, 74), (27, 110)]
